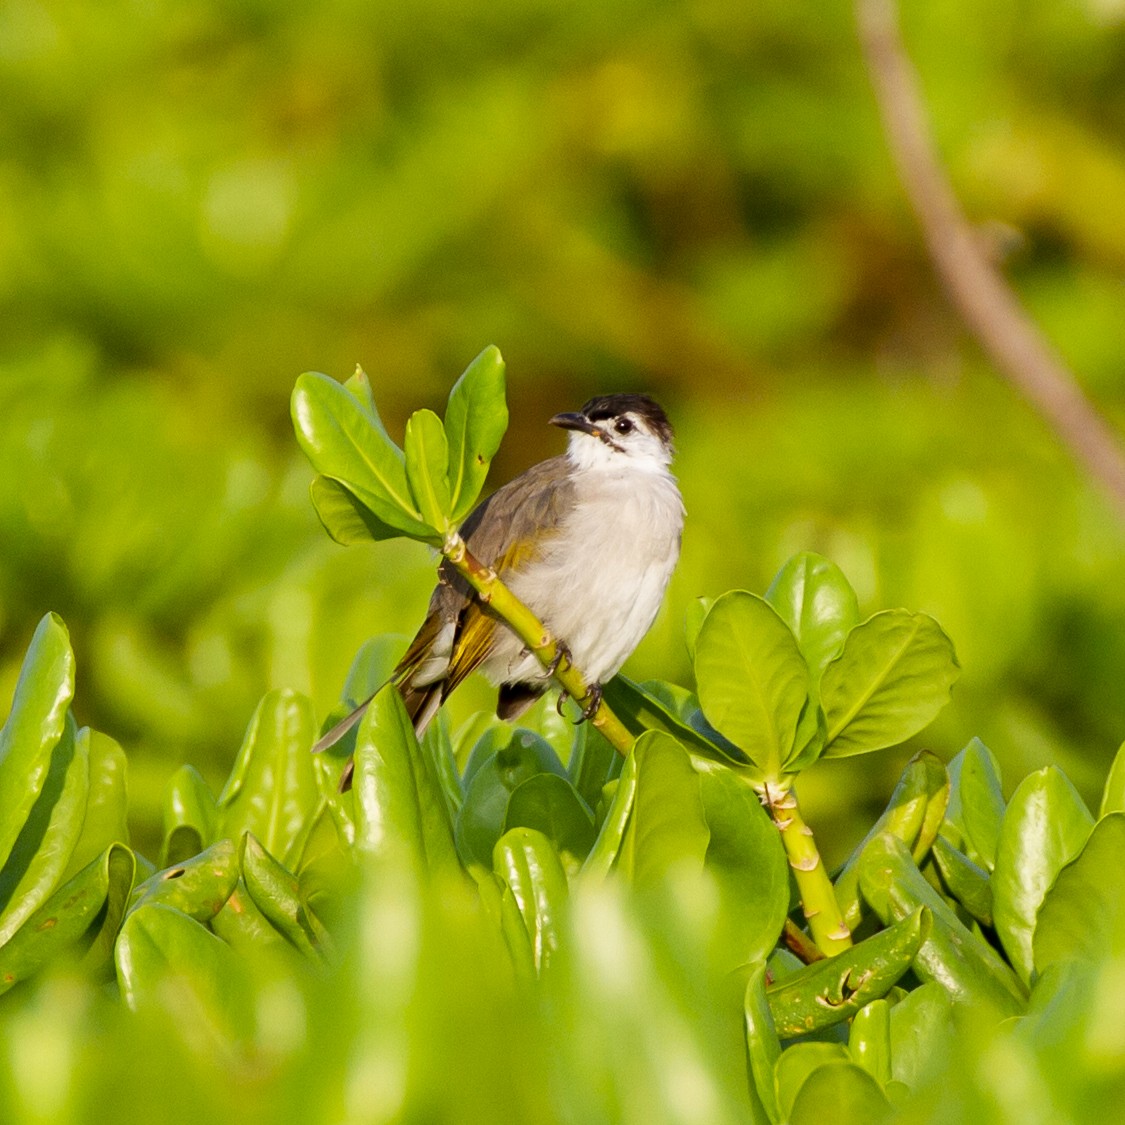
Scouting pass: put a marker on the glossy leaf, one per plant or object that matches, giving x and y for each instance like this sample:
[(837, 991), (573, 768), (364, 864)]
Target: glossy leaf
[(921, 1023), (797, 1064), (427, 471), (398, 800), (505, 760), (753, 681), (603, 855), (529, 866), (34, 725), (1044, 828), (66, 916), (107, 804), (198, 887), (869, 1040), (761, 1040), (1113, 793), (44, 846), (345, 517), (1083, 915), (969, 884), (476, 417), (272, 789), (121, 872), (745, 855), (276, 893), (549, 804), (968, 968), (697, 610), (890, 681), (668, 826), (817, 602), (244, 927), (190, 815), (913, 814), (843, 1093), (640, 709), (340, 440), (830, 991), (166, 957), (977, 801)]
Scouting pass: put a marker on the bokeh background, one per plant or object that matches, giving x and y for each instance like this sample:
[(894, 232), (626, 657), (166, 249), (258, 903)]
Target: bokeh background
[(199, 201)]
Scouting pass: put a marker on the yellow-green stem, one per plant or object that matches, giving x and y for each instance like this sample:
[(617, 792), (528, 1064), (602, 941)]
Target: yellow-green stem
[(534, 634), (818, 899)]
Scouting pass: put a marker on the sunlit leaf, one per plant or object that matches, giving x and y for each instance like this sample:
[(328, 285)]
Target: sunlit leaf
[(753, 681), (549, 804), (197, 887), (1044, 828), (427, 471), (35, 724), (891, 679), (529, 866), (476, 417), (976, 805)]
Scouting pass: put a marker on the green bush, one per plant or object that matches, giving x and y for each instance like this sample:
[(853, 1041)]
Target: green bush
[(532, 925)]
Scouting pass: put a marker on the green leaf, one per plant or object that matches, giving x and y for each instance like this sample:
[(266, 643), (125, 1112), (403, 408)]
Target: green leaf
[(842, 1093), (190, 816), (1045, 827), (346, 518), (913, 814), (528, 865), (603, 855), (966, 965), (276, 893), (753, 681), (400, 809), (168, 959), (272, 789), (1083, 915), (921, 1023), (833, 990), (427, 472), (35, 724), (889, 682), (358, 386), (641, 707), (869, 1040), (746, 856), (1113, 795), (797, 1064), (976, 806), (817, 602), (550, 804), (501, 760), (43, 848), (697, 610), (67, 915), (107, 802), (343, 443), (964, 880), (198, 887), (761, 1040), (668, 827), (476, 417)]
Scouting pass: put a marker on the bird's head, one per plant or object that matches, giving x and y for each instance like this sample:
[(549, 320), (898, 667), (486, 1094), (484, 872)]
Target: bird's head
[(612, 431)]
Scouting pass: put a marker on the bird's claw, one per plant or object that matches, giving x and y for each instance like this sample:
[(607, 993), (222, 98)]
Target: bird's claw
[(561, 653), (593, 695)]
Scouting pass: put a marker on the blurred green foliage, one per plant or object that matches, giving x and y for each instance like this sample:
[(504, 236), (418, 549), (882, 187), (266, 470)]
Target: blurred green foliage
[(202, 200)]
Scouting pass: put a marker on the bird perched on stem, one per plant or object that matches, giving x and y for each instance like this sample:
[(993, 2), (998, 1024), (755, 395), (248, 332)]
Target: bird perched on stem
[(587, 540)]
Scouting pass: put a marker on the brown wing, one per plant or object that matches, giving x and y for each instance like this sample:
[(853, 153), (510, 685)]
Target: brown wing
[(503, 532)]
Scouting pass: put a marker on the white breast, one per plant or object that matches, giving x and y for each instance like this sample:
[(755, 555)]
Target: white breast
[(599, 585)]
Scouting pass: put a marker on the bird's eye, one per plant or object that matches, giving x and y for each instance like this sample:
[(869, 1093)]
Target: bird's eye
[(623, 426)]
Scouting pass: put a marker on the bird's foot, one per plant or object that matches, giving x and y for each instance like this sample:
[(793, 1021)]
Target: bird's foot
[(594, 698), (561, 653)]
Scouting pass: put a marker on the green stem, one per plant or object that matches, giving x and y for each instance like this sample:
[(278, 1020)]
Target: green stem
[(818, 899), (534, 634)]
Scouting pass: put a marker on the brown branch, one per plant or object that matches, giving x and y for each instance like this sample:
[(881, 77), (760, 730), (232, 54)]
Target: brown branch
[(977, 288)]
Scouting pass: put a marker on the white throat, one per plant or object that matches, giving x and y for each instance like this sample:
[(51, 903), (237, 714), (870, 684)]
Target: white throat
[(590, 454)]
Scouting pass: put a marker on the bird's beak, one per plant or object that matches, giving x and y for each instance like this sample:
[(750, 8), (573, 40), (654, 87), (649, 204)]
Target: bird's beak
[(576, 422)]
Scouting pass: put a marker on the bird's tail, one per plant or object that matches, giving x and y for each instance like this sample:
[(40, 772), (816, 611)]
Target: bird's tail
[(422, 705)]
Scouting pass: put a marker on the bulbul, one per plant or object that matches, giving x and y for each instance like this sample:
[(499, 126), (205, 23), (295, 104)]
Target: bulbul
[(587, 540)]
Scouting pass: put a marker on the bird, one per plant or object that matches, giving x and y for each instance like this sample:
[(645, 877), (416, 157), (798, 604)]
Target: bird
[(588, 540)]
